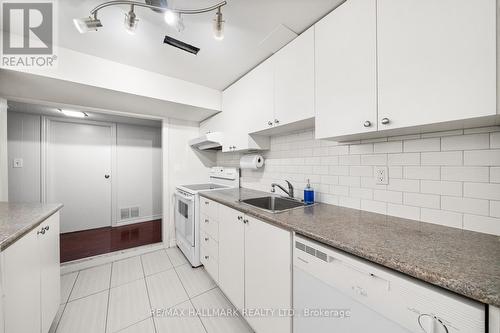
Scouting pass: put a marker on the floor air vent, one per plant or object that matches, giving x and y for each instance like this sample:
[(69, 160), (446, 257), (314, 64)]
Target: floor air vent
[(134, 212), (124, 213)]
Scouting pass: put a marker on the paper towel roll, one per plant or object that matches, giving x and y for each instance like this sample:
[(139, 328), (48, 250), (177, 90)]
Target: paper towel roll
[(253, 161)]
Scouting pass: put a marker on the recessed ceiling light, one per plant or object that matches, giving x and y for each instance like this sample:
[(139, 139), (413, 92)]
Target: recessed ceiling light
[(73, 113)]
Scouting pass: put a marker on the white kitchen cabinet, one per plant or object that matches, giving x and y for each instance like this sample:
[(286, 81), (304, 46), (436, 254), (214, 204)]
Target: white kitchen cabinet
[(346, 72), (21, 285), (232, 255), (294, 81), (245, 105), (436, 61), (268, 280), (31, 279), (50, 271)]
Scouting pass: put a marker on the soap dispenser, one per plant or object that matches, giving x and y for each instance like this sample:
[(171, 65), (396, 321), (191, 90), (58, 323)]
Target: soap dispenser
[(308, 194)]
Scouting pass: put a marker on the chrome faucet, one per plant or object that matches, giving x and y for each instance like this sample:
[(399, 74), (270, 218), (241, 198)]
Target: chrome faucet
[(290, 188)]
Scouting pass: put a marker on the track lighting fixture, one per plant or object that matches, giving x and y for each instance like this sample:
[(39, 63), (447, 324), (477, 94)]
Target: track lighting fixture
[(172, 16), (218, 25), (131, 21)]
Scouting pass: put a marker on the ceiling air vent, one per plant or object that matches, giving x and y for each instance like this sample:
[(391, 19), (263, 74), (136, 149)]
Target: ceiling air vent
[(181, 45)]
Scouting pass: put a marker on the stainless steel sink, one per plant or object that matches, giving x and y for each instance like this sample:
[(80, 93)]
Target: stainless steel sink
[(273, 204)]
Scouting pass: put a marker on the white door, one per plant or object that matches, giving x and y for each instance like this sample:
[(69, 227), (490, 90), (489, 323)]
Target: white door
[(436, 60), (79, 173), (294, 80), (346, 70), (21, 288), (231, 255), (268, 274), (50, 271)]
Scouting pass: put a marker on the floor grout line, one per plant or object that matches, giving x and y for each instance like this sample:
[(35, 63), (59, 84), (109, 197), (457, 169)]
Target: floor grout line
[(109, 296), (147, 292), (67, 301)]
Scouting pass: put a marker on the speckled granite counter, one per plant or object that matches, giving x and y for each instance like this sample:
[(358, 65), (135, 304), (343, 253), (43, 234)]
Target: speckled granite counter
[(465, 262), (17, 219)]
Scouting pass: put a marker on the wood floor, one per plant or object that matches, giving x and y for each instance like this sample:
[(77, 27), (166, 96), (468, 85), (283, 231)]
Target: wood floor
[(87, 243)]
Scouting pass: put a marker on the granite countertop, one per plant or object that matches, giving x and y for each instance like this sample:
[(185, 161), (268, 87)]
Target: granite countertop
[(17, 219), (465, 262)]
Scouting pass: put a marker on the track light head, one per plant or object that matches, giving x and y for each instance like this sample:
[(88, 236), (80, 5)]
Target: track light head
[(87, 24), (131, 21), (218, 25)]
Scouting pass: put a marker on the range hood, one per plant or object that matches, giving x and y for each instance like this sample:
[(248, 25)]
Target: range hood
[(208, 141)]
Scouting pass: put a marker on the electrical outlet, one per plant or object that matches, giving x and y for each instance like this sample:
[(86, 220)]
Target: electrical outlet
[(17, 163), (381, 176)]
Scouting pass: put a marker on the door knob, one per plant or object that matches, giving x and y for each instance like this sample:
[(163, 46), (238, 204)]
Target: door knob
[(367, 123), (385, 121), (106, 176)]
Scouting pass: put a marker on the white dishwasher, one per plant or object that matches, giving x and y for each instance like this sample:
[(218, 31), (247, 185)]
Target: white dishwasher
[(334, 292)]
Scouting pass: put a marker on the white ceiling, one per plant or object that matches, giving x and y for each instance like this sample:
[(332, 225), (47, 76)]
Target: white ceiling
[(219, 63)]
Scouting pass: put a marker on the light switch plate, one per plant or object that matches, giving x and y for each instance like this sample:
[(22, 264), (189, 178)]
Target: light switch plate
[(381, 175), (17, 163)]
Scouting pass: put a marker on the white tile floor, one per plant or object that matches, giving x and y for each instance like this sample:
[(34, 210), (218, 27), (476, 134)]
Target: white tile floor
[(118, 297)]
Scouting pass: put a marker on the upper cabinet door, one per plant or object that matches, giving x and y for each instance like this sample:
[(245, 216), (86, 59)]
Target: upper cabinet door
[(436, 61), (294, 80), (346, 70)]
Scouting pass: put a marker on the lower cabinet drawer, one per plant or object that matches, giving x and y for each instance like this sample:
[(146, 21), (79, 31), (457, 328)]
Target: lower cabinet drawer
[(210, 226), (210, 244), (210, 262)]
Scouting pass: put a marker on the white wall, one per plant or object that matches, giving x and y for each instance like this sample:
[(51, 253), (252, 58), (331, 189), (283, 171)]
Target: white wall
[(450, 178), (24, 142), (138, 171), (4, 189), (182, 165)]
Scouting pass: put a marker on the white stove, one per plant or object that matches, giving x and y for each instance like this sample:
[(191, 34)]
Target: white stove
[(187, 209)]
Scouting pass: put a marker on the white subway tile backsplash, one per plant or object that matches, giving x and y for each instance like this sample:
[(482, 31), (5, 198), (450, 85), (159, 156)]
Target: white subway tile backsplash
[(489, 225), (466, 142), (465, 205), (366, 171), (495, 208), (374, 159), (361, 149), (482, 191), (374, 206), (431, 144), (482, 157), (495, 174), (388, 147), (434, 177), (403, 185), (441, 187), (495, 140), (436, 216), (422, 200), (422, 172), (388, 196), (465, 174), (406, 212), (403, 159), (442, 158)]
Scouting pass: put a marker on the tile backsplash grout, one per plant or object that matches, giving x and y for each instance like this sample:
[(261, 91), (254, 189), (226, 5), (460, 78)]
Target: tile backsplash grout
[(450, 178)]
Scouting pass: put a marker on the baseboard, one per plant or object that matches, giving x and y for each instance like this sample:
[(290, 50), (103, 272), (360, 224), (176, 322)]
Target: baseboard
[(138, 220), (101, 259)]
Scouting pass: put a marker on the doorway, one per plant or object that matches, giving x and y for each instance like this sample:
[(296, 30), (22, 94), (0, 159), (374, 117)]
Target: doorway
[(79, 172)]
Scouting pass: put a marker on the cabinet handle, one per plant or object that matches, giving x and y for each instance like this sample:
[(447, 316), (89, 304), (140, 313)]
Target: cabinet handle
[(240, 218), (42, 232), (207, 202), (245, 221), (47, 228), (385, 121), (367, 123), (206, 239), (270, 123), (206, 257), (276, 121), (206, 220)]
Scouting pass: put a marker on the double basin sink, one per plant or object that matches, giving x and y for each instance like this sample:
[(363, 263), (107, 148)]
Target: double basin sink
[(274, 204)]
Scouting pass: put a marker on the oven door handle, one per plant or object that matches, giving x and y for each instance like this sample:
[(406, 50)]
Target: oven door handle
[(185, 197)]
